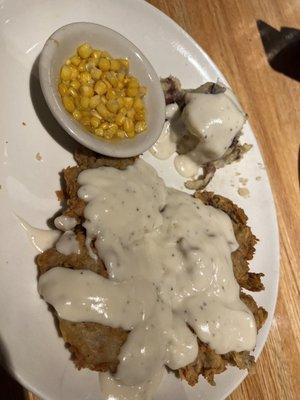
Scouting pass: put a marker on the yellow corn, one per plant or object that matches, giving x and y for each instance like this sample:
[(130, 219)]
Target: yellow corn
[(95, 122), (102, 110), (65, 73), (75, 60), (85, 120), (120, 118), (84, 102), (72, 92), (120, 134), (68, 103), (75, 84), (130, 113), (86, 90), (138, 104), (96, 54), (115, 65), (112, 106), (132, 91), (94, 101), (84, 51), (128, 102), (82, 66), (124, 62), (96, 73), (63, 89), (99, 132), (77, 114), (104, 64), (100, 94), (140, 126), (100, 87)]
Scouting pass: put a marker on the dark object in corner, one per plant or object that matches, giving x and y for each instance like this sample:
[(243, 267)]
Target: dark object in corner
[(282, 48)]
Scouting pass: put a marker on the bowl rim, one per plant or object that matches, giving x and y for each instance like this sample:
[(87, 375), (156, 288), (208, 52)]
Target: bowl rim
[(70, 125)]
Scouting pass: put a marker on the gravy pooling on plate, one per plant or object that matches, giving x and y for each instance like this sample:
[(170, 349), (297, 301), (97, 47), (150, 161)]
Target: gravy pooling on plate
[(168, 258)]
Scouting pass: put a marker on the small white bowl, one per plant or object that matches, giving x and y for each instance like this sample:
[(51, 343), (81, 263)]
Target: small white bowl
[(61, 45)]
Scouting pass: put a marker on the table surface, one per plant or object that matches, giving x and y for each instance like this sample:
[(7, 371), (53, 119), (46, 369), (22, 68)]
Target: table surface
[(227, 30)]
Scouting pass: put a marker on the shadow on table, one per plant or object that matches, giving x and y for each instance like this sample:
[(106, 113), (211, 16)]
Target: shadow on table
[(282, 48), (9, 388)]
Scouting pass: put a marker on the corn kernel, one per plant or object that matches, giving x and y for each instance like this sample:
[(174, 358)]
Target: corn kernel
[(124, 62), (68, 62), (111, 94), (102, 110), (120, 134), (113, 127), (85, 120), (123, 110), (74, 72), (65, 73), (128, 102), (100, 87), (104, 64), (85, 50), (96, 54), (96, 73), (85, 77), (108, 134), (128, 125), (120, 100), (104, 125), (105, 54), (115, 65), (138, 104), (68, 103), (133, 82), (94, 113), (132, 91), (112, 78), (95, 122), (72, 92), (130, 113), (121, 76), (99, 132), (140, 126), (94, 101), (86, 90), (120, 118), (139, 115), (107, 83), (82, 66), (63, 89), (112, 106), (84, 102), (103, 99), (130, 134), (75, 84), (77, 114), (75, 60)]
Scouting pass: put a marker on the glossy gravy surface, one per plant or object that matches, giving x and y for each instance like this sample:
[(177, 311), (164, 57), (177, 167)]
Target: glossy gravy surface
[(169, 262)]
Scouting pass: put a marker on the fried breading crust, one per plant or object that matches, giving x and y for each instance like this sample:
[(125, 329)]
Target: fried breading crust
[(96, 346)]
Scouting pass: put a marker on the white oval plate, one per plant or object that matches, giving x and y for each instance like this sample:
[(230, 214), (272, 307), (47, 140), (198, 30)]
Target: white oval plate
[(33, 151)]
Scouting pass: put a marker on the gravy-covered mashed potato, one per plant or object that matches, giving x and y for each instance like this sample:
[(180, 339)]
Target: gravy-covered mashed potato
[(202, 126)]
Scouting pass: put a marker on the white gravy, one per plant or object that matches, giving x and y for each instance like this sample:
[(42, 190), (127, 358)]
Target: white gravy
[(169, 262), (215, 119), (42, 239), (64, 223), (67, 244)]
